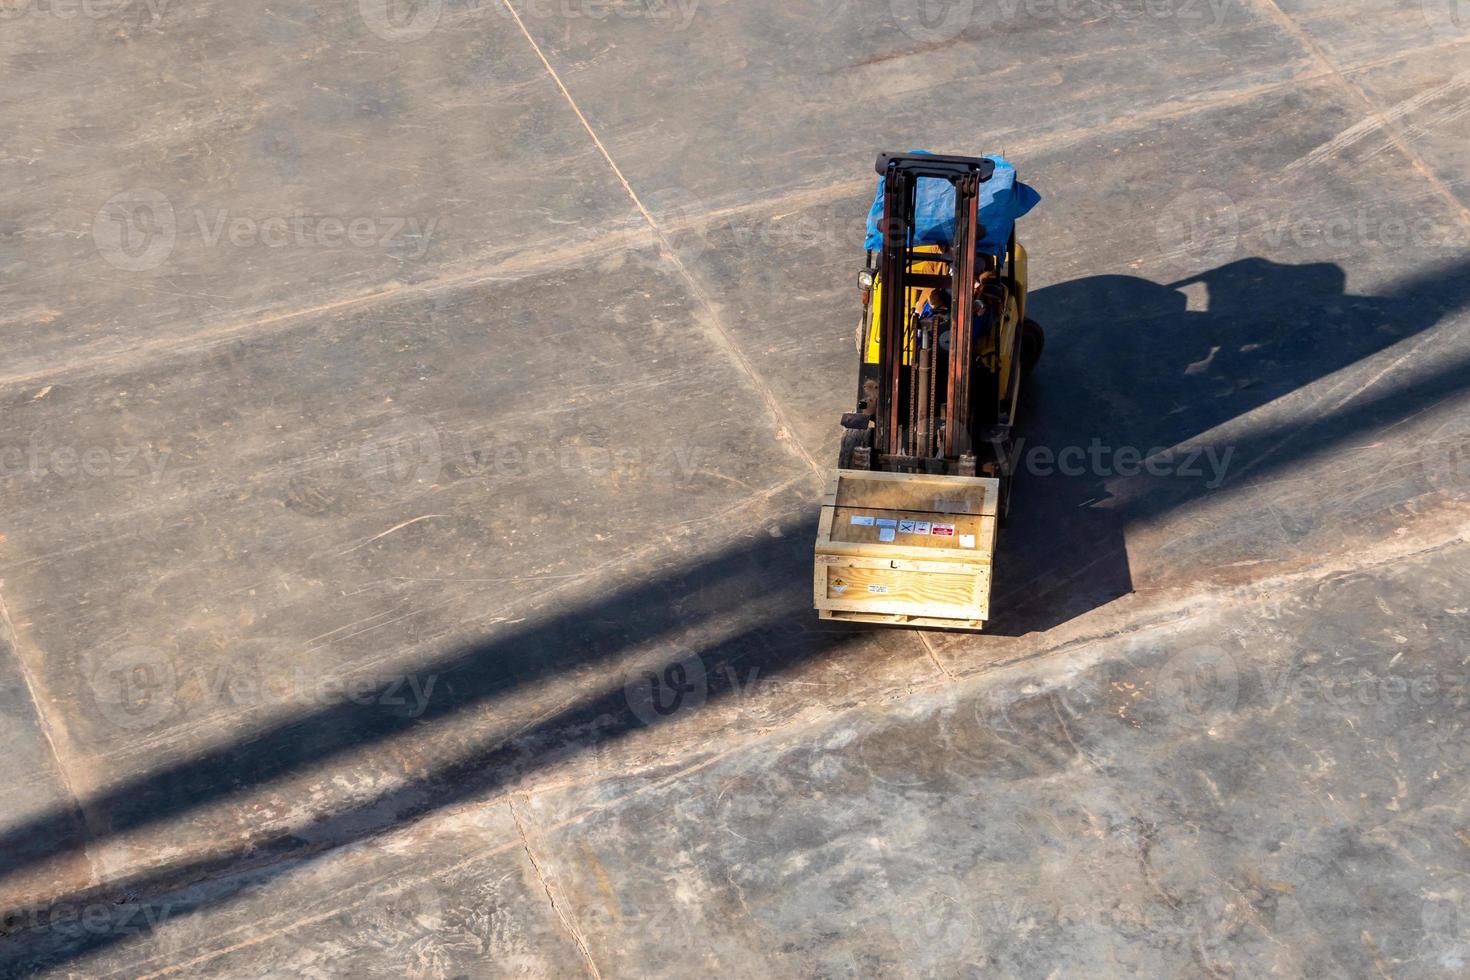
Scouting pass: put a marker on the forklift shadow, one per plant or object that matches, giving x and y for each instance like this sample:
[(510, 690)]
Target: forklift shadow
[(1117, 419), (679, 616)]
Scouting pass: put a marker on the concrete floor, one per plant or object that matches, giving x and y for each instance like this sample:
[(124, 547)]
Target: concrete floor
[(415, 418)]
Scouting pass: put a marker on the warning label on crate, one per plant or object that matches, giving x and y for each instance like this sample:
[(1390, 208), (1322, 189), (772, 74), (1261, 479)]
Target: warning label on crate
[(921, 527), (880, 589), (906, 527), (942, 530), (967, 540), (866, 520)]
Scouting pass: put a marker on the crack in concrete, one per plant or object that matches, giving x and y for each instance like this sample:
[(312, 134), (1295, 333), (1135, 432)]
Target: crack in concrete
[(566, 921)]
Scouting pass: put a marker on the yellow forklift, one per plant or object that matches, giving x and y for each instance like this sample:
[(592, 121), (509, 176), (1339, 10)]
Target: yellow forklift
[(908, 527)]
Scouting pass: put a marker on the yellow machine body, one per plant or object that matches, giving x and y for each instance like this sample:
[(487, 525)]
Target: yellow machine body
[(1010, 322)]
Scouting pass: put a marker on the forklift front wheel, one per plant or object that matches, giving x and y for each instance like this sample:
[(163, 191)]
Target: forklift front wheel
[(1033, 340), (851, 439)]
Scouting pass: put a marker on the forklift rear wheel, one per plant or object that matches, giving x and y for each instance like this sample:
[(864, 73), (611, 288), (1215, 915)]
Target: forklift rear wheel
[(1033, 340)]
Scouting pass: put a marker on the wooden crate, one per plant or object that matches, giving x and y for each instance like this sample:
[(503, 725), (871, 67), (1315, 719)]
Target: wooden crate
[(906, 549)]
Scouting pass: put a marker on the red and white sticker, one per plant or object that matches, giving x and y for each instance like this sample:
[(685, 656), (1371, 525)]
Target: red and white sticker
[(943, 530)]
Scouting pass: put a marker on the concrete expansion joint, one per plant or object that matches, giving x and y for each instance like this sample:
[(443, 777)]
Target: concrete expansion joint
[(11, 638), (934, 656), (520, 266), (1272, 8)]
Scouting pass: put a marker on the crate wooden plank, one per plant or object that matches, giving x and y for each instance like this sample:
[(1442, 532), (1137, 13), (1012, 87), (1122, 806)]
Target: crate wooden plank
[(858, 584), (924, 493), (924, 563), (886, 619), (941, 589)]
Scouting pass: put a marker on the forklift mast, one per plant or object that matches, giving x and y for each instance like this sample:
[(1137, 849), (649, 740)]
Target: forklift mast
[(921, 443)]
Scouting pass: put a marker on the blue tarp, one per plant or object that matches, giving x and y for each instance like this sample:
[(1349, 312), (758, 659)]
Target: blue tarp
[(1003, 199)]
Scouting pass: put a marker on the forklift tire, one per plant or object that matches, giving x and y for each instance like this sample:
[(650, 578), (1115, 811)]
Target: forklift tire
[(1033, 341), (851, 439)]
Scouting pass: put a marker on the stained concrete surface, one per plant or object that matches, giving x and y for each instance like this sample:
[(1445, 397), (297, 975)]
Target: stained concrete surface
[(414, 423)]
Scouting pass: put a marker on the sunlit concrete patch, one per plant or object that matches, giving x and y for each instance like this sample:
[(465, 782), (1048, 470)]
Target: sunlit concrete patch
[(1397, 27), (1272, 788), (753, 99), (224, 163), (464, 900), (1425, 100)]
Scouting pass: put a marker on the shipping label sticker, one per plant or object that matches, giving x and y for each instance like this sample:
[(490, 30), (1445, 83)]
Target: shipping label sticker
[(885, 534), (887, 522), (865, 520), (921, 527), (879, 589), (942, 530), (967, 540)]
